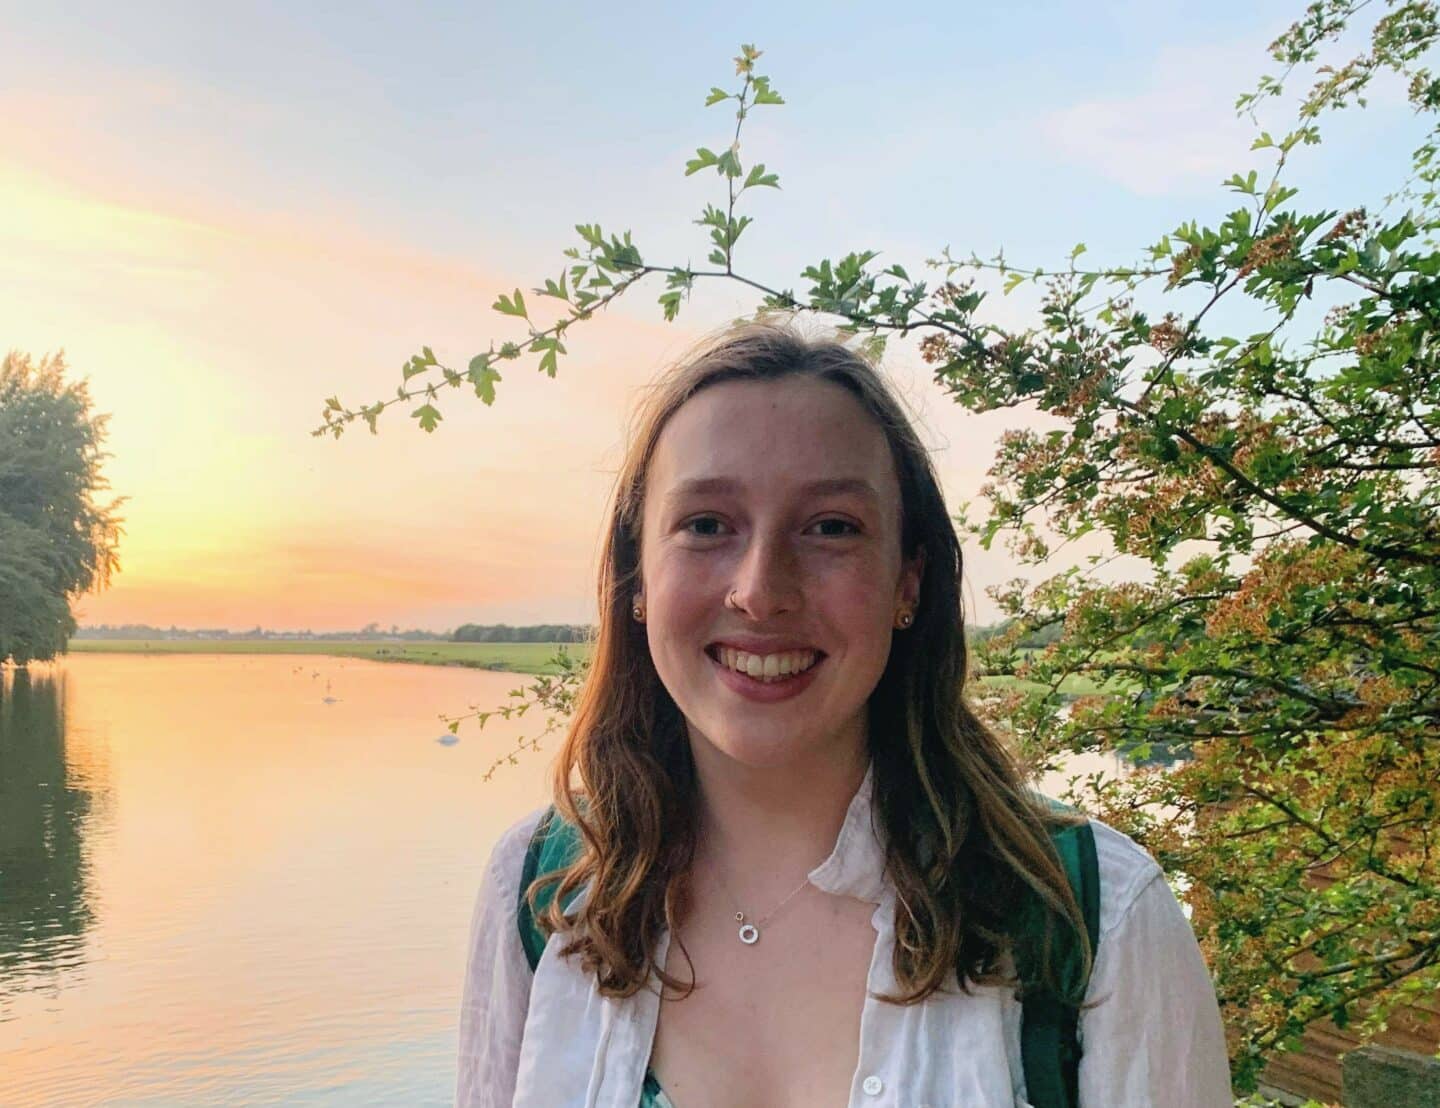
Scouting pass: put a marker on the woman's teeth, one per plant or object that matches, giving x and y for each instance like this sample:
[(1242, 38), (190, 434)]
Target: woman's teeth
[(766, 667)]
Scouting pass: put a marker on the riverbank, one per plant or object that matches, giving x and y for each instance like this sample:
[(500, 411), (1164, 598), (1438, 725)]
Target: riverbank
[(506, 657)]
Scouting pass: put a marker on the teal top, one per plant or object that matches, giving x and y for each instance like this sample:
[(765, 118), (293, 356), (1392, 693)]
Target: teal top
[(652, 1095)]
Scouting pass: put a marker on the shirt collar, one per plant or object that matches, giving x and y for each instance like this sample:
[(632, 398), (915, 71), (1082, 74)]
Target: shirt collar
[(856, 867)]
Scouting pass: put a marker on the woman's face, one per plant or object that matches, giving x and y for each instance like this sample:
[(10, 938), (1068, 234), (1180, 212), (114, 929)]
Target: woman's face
[(781, 496)]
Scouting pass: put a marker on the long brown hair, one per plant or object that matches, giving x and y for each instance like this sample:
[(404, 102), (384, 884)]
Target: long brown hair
[(966, 841)]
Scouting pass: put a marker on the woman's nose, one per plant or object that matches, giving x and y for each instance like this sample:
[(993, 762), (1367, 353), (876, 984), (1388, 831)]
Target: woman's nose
[(768, 581)]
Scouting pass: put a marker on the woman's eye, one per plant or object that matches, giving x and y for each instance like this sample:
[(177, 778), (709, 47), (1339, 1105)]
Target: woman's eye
[(703, 522), (840, 523)]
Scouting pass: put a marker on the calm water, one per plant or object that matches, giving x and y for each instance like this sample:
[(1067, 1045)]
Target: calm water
[(217, 888)]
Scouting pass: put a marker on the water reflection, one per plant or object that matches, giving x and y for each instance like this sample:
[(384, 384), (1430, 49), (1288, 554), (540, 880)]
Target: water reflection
[(219, 888), (49, 797)]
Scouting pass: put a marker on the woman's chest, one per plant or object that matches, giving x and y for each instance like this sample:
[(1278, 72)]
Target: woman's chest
[(773, 1023), (764, 1022)]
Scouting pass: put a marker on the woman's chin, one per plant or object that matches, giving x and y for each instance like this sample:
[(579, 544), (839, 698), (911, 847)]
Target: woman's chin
[(761, 748)]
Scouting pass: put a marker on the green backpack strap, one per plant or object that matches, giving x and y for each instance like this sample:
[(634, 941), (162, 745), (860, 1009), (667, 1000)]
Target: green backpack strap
[(1049, 1029), (554, 844)]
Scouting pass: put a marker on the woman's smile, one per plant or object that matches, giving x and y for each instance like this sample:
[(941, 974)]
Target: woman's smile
[(765, 679)]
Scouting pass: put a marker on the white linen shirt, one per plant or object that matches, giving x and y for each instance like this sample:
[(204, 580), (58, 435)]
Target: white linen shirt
[(1153, 1038)]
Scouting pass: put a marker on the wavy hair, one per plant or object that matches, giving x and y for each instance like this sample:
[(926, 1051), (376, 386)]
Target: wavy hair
[(966, 841)]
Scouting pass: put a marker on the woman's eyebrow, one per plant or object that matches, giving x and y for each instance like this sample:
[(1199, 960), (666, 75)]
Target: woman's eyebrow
[(827, 486)]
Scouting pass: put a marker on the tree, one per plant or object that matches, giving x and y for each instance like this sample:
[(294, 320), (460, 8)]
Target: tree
[(1275, 493), (56, 541)]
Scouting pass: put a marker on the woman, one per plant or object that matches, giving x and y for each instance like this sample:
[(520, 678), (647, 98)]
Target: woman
[(802, 867)]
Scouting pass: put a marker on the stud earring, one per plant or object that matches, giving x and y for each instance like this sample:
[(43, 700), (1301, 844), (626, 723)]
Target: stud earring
[(906, 619), (638, 612)]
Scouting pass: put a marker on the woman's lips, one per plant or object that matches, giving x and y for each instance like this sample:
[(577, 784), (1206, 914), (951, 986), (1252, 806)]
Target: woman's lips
[(765, 692)]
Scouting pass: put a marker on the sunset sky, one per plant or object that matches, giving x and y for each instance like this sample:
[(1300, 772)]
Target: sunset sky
[(225, 217)]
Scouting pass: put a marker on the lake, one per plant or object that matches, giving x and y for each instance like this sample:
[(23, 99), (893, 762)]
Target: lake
[(216, 887)]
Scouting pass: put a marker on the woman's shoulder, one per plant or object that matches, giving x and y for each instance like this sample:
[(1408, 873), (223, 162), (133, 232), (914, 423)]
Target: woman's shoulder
[(1126, 871), (507, 856)]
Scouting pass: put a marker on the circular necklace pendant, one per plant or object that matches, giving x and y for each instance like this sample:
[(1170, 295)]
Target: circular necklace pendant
[(749, 934)]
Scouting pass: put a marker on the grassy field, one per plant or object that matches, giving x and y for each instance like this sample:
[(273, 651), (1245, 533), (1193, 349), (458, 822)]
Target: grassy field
[(513, 657)]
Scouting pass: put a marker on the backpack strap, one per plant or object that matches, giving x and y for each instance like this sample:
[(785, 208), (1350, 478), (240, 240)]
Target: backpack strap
[(554, 844), (1049, 1029)]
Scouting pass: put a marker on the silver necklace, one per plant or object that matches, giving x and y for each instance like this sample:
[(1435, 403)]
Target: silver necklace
[(750, 932)]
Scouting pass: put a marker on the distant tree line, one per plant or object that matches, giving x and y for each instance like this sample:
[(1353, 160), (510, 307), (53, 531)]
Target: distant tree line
[(469, 632), (371, 631), (503, 632)]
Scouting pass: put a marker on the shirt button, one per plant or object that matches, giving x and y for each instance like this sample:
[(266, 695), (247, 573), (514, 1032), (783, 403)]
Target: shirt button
[(872, 1085)]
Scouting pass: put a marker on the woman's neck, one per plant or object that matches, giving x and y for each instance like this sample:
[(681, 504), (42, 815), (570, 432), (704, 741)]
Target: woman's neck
[(768, 826)]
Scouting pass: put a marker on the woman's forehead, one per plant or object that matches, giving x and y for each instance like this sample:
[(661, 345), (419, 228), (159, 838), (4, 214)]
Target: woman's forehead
[(806, 431)]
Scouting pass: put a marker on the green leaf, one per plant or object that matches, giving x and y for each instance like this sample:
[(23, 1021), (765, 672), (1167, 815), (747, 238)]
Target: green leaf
[(711, 217), (764, 94), (483, 378), (728, 163), (428, 416), (485, 385), (1079, 249), (873, 347), (758, 178), (552, 349), (1277, 195), (1012, 280), (716, 95), (703, 157), (670, 302), (1245, 185), (511, 306)]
